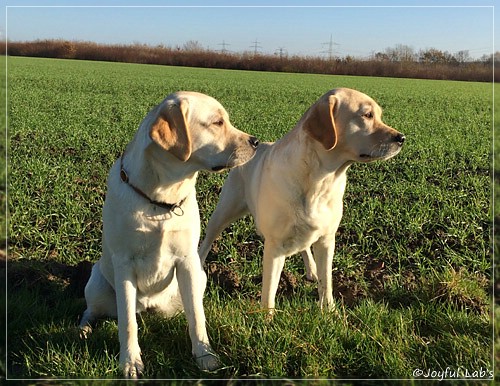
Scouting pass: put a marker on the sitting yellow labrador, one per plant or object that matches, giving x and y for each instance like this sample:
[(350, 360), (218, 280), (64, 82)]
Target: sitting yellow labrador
[(294, 187), (151, 223)]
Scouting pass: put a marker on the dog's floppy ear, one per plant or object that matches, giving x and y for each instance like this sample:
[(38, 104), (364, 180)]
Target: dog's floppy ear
[(171, 130), (319, 122)]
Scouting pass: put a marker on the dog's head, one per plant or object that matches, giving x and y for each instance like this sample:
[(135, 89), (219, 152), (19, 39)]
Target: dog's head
[(195, 127), (351, 122)]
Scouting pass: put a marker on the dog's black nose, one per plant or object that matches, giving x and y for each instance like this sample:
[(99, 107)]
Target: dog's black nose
[(400, 138), (254, 142)]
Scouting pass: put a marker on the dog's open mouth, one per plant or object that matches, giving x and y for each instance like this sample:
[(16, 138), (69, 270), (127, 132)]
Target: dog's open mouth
[(218, 168)]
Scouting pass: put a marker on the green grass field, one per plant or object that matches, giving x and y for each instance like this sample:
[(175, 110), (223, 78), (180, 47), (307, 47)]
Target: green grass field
[(413, 264)]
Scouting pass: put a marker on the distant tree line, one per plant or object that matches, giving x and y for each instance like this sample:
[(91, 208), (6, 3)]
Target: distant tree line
[(404, 53), (399, 61)]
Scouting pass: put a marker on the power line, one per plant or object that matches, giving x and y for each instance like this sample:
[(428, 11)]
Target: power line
[(330, 51), (224, 44), (255, 46), (282, 52)]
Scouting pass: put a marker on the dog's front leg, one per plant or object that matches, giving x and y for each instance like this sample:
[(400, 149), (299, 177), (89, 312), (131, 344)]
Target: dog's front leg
[(272, 266), (323, 253), (126, 298), (192, 281)]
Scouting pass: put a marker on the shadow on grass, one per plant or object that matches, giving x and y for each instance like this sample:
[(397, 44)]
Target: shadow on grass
[(39, 293), (45, 302)]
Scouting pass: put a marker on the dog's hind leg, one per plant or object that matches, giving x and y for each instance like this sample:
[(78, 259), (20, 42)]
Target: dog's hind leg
[(101, 300), (231, 206), (310, 263)]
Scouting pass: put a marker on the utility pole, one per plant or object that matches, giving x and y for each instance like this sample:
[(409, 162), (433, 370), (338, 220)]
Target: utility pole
[(330, 51), (282, 52), (223, 44), (255, 46)]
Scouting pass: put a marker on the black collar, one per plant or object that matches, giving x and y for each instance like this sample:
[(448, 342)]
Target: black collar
[(174, 208)]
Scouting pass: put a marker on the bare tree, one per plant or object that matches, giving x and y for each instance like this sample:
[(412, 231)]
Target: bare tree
[(463, 56), (486, 59), (432, 55), (400, 53), (193, 46), (381, 57)]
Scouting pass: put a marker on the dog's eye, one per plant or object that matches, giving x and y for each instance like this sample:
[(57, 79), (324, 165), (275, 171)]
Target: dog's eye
[(368, 115), (220, 122)]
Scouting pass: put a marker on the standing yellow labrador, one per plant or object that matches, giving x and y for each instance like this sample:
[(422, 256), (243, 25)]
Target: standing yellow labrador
[(294, 187), (151, 223)]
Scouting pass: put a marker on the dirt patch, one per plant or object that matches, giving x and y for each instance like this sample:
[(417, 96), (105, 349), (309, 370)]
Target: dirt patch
[(351, 289), (347, 289), (45, 275), (224, 277), (287, 285), (247, 248)]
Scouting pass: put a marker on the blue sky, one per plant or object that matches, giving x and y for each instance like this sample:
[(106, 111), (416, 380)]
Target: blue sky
[(358, 28)]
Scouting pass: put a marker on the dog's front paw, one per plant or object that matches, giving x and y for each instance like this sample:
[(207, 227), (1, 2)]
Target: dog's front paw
[(209, 361), (328, 305), (85, 331), (132, 366)]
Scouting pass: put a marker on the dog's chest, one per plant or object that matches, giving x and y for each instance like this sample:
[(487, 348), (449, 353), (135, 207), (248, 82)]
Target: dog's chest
[(310, 218), (313, 221), (154, 273), (156, 255), (321, 204)]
